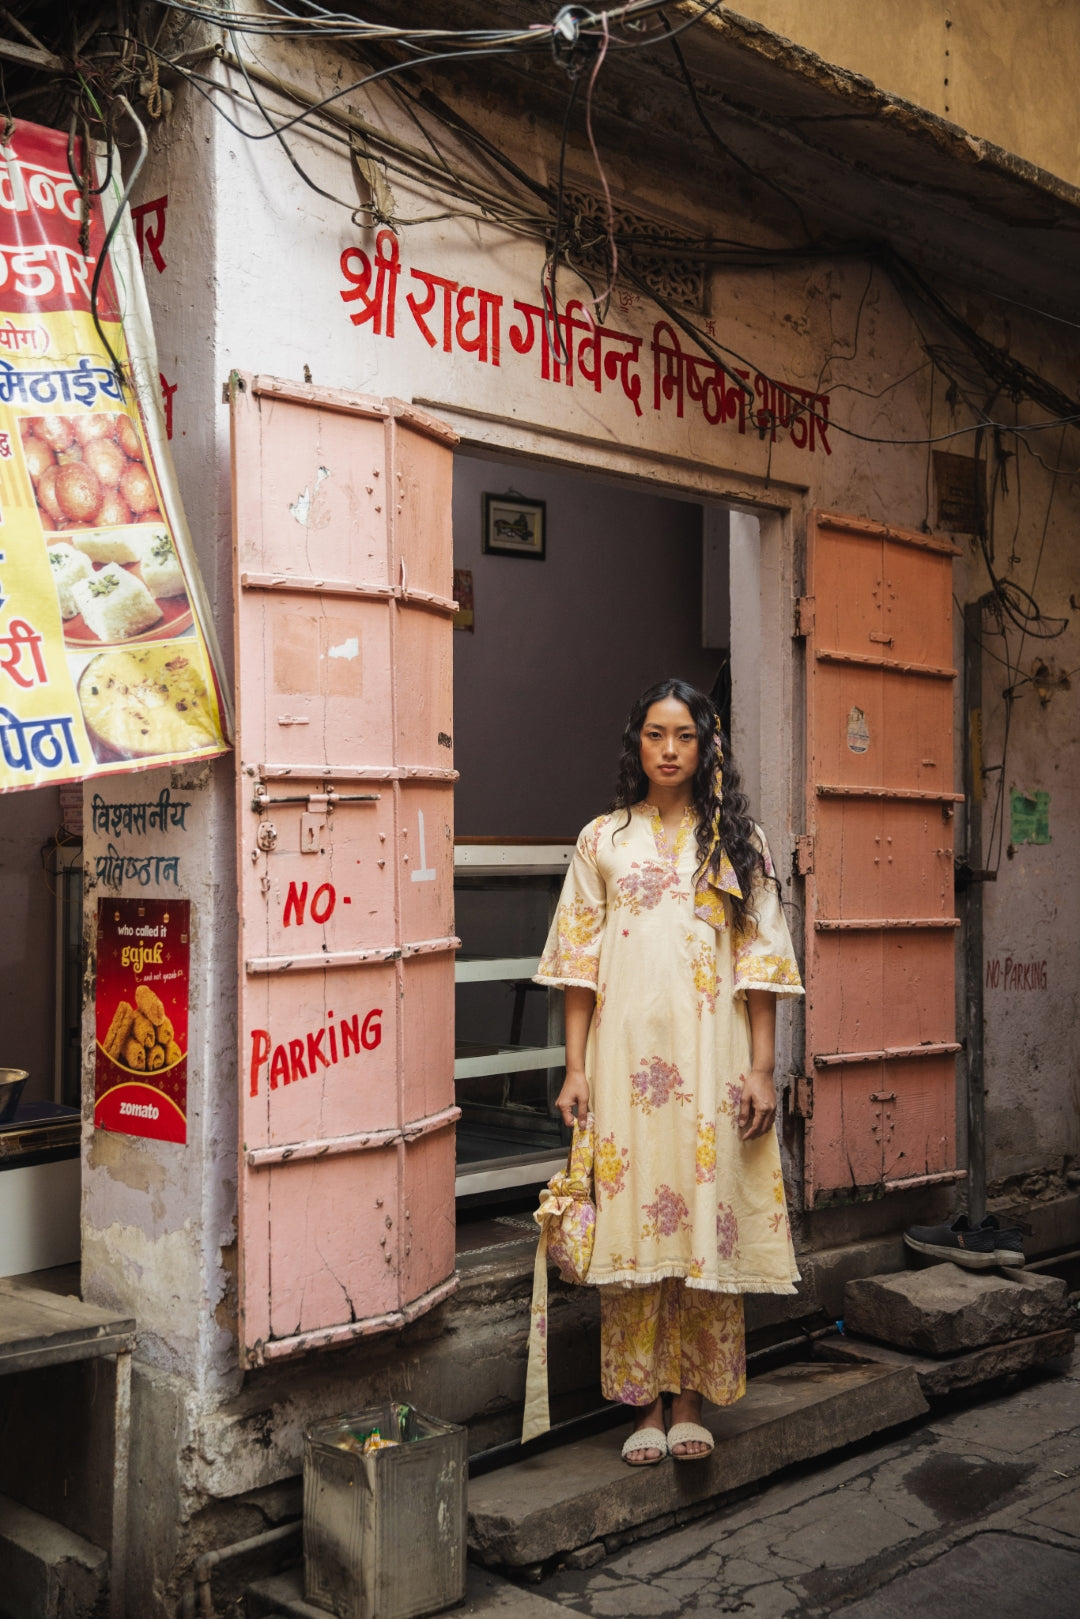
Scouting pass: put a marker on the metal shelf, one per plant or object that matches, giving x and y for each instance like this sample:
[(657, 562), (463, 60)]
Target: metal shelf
[(484, 969), (512, 859), (510, 1060)]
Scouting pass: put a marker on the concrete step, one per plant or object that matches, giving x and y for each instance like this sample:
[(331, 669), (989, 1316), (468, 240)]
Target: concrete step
[(487, 1595), (47, 1569), (947, 1310), (939, 1376), (584, 1496)]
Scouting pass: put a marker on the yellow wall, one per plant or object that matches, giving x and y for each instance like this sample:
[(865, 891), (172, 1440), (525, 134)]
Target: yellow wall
[(1004, 69)]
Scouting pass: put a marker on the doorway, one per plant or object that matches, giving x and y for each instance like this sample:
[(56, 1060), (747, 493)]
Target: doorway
[(633, 586)]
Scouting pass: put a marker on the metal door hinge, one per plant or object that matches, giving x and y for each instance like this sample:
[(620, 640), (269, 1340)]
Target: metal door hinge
[(802, 1095), (804, 855), (804, 615)]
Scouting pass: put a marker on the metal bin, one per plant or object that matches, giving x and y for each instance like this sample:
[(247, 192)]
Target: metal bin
[(384, 1534)]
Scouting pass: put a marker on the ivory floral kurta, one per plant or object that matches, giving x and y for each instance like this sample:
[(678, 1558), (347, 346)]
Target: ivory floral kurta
[(677, 1193)]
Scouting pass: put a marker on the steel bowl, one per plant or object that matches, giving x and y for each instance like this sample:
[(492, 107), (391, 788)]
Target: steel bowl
[(12, 1085)]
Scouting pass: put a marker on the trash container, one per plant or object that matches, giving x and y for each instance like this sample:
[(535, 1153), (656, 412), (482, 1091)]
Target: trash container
[(384, 1523)]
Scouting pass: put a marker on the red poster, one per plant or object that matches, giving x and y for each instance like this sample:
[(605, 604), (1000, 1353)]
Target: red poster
[(142, 1017)]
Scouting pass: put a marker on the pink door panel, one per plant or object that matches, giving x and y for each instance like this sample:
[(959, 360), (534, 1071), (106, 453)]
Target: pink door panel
[(879, 1096), (322, 513), (321, 1058), (425, 734), (423, 476), (874, 858), (889, 729), (427, 1011), (327, 1271), (320, 674), (345, 820), (426, 827)]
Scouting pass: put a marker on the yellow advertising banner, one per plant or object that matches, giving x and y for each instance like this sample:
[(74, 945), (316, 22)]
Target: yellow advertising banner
[(107, 657)]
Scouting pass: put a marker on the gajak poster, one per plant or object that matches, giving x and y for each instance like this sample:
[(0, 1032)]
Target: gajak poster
[(106, 645), (141, 1014)]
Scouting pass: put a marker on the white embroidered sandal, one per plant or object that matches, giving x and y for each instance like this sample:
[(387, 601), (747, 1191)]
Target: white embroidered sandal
[(645, 1439), (689, 1433)]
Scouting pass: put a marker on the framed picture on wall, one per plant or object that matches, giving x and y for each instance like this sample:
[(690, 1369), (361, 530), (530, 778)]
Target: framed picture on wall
[(514, 527)]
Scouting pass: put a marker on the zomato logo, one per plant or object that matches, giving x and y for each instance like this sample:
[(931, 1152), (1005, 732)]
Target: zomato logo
[(25, 187), (139, 1110)]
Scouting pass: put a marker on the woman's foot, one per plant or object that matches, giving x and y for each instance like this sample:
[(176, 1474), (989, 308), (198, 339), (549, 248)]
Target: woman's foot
[(648, 1416), (686, 1407)]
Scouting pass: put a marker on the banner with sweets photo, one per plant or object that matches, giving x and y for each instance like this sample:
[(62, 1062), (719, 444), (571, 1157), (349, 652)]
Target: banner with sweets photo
[(108, 661)]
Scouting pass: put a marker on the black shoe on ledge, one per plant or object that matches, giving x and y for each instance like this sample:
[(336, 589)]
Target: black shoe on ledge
[(972, 1247), (978, 1247), (1008, 1241)]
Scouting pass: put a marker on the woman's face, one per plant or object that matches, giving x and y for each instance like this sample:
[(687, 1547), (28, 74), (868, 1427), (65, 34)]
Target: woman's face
[(669, 744)]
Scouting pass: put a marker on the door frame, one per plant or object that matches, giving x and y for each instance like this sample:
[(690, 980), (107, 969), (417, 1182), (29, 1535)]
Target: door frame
[(776, 721)]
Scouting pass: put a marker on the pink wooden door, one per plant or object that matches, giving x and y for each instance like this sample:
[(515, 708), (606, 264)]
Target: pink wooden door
[(341, 511), (879, 1095)]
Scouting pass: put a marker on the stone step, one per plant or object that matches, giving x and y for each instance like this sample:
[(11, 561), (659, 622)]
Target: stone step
[(942, 1375), (947, 1310), (282, 1597), (584, 1495), (47, 1569)]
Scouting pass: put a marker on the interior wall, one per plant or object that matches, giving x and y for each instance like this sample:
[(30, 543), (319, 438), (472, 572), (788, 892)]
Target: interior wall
[(561, 648), (27, 939)]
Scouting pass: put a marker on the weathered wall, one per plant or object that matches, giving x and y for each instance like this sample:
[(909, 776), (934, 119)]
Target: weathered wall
[(1004, 71), (158, 1218)]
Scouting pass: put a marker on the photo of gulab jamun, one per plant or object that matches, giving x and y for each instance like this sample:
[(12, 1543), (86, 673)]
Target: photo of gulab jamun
[(88, 471)]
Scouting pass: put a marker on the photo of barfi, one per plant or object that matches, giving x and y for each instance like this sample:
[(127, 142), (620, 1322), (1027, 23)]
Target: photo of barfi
[(114, 605), (68, 567)]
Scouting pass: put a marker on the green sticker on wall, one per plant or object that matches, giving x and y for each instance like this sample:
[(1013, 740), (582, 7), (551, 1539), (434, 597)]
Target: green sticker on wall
[(1029, 817)]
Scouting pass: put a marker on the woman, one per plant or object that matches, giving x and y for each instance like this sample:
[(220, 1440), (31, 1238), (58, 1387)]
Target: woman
[(671, 945)]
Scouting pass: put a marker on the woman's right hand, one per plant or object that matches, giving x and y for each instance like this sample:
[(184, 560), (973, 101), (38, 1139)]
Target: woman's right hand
[(573, 1100)]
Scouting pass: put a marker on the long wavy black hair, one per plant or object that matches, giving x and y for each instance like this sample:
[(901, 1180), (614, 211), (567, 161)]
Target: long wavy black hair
[(731, 812)]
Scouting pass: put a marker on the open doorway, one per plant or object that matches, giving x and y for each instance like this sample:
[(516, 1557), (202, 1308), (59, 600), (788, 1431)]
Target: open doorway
[(40, 1024), (633, 586)]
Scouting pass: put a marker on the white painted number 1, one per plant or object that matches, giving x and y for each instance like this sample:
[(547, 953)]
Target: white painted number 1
[(426, 874)]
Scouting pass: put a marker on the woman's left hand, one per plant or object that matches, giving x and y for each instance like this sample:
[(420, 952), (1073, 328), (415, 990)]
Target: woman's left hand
[(757, 1110)]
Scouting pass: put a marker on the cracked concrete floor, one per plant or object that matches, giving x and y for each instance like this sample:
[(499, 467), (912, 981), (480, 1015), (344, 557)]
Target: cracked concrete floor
[(975, 1510)]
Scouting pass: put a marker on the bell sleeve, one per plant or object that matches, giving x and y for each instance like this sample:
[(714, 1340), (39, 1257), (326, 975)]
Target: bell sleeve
[(764, 957), (571, 957)]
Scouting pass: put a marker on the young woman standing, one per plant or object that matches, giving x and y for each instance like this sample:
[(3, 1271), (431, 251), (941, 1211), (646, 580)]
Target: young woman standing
[(671, 945)]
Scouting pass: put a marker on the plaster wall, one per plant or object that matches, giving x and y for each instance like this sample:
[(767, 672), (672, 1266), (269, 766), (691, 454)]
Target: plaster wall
[(561, 648), (159, 1218), (1003, 71)]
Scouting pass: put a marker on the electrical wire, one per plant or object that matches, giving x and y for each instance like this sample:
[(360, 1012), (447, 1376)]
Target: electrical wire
[(721, 146)]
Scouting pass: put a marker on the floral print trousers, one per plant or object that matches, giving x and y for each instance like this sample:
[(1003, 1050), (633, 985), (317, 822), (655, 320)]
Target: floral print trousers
[(669, 1337)]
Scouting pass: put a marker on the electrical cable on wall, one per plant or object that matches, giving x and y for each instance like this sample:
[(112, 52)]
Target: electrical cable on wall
[(577, 34)]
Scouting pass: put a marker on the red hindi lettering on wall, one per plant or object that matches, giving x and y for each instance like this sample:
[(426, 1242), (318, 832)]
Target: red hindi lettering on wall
[(575, 349)]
